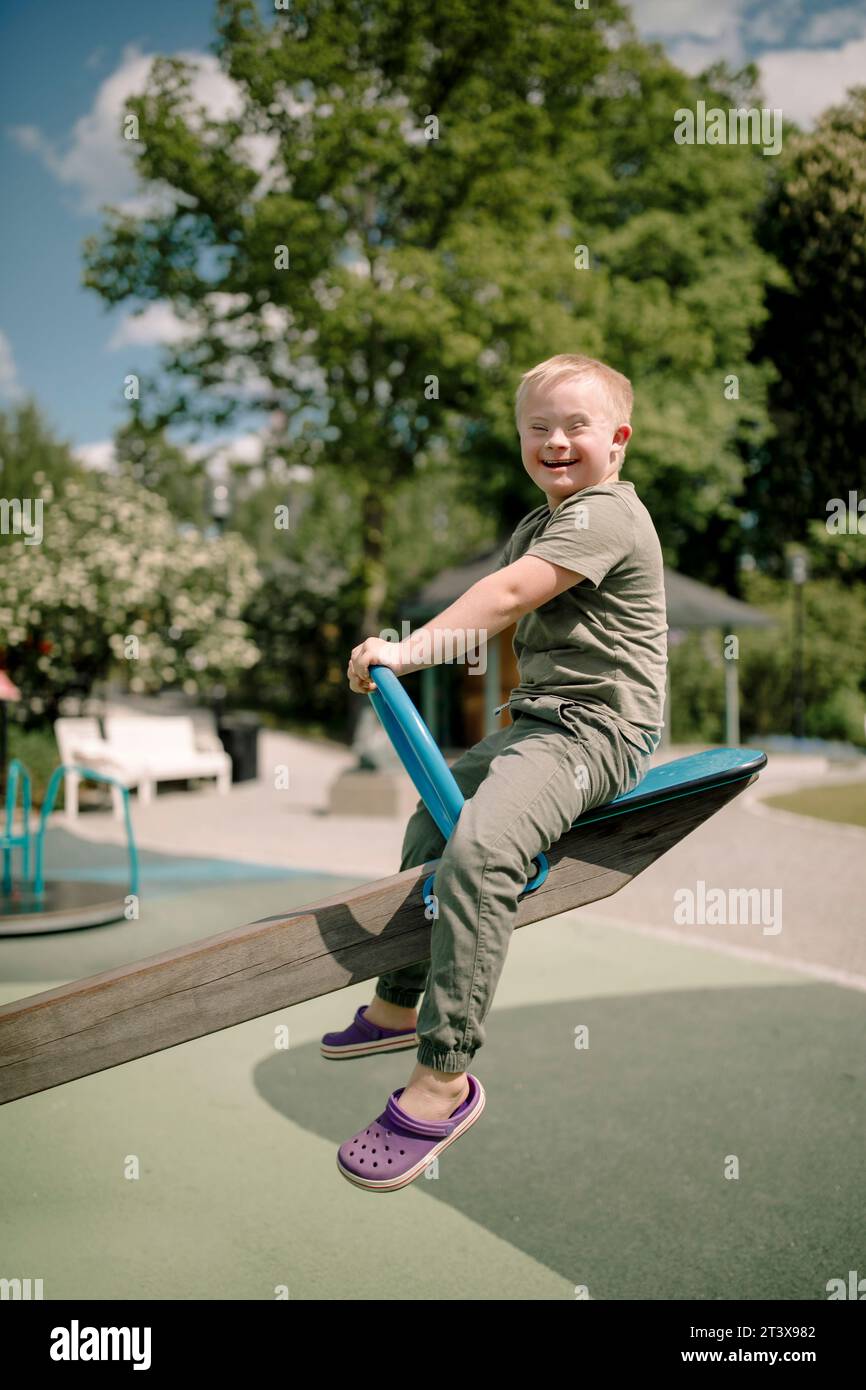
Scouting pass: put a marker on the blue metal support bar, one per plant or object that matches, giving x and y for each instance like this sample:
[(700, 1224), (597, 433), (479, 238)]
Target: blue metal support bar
[(9, 840), (57, 777)]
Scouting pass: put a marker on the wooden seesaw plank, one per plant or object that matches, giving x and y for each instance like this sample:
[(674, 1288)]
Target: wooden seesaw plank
[(107, 1019)]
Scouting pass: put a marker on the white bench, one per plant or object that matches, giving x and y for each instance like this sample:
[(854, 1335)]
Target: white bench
[(140, 751), (80, 741)]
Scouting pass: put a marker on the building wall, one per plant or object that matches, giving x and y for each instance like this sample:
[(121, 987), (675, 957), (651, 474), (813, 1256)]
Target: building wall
[(469, 724)]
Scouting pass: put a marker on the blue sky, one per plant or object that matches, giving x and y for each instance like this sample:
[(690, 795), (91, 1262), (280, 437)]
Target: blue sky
[(64, 73)]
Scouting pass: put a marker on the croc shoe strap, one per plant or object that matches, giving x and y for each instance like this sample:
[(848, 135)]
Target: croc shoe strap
[(425, 1129)]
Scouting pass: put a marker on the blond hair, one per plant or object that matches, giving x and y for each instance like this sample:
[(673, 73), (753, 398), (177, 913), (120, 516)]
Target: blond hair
[(617, 388)]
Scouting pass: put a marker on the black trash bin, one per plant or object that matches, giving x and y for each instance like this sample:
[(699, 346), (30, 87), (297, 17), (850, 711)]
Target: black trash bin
[(239, 735)]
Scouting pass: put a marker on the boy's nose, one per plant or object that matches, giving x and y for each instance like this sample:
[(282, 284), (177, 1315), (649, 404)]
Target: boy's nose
[(557, 439)]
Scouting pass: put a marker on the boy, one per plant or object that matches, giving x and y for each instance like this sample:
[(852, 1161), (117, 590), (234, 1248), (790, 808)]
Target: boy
[(582, 577)]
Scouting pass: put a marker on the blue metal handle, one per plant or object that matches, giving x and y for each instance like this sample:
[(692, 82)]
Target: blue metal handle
[(416, 749)]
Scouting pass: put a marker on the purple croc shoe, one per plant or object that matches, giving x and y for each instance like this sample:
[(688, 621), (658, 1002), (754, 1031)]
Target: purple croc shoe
[(363, 1037), (396, 1148)]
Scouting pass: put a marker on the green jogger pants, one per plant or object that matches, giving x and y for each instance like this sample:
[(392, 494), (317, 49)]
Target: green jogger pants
[(524, 786)]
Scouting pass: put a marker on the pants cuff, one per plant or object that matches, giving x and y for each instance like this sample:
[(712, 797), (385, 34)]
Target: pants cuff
[(430, 1056), (403, 998)]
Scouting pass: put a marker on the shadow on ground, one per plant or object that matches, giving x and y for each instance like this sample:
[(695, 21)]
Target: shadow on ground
[(608, 1164)]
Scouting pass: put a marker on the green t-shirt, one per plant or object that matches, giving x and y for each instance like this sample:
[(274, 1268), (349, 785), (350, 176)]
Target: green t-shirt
[(604, 640)]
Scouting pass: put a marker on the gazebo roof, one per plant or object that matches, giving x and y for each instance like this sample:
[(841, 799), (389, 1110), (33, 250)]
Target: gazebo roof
[(690, 604)]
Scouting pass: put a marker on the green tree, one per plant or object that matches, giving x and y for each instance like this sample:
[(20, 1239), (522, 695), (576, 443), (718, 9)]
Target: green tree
[(304, 617), (30, 454), (145, 455), (425, 274), (834, 667), (814, 223), (115, 585), (839, 554)]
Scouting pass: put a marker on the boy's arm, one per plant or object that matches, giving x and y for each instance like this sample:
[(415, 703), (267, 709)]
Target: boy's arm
[(486, 609)]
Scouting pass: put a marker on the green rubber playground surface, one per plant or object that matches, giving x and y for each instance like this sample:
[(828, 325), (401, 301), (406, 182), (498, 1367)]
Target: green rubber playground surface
[(845, 802), (601, 1166)]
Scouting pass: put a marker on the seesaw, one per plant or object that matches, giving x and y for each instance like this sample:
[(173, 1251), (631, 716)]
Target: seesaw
[(107, 1019)]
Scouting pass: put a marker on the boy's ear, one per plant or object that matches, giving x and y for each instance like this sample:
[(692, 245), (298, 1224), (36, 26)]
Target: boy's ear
[(619, 449)]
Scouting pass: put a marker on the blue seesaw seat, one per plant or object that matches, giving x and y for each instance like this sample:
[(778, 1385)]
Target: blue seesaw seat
[(699, 772), (436, 785)]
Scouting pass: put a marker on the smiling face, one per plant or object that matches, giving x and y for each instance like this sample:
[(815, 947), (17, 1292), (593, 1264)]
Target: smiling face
[(568, 440)]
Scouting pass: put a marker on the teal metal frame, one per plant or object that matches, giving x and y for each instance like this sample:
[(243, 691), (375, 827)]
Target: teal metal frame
[(9, 841), (57, 777)]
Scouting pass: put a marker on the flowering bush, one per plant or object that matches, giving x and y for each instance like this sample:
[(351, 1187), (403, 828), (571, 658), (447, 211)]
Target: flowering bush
[(115, 584)]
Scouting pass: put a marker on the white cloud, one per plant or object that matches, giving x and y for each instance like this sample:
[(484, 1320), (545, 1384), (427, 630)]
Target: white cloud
[(767, 27), (678, 18), (804, 81), (693, 34), (219, 452), (833, 26), (260, 151), (801, 81), (155, 325), (159, 324), (99, 456), (96, 161), (10, 387), (693, 57), (245, 448)]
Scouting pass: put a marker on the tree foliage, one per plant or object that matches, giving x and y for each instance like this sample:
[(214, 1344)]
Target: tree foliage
[(144, 454), (814, 223), (426, 274), (30, 453), (114, 586)]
